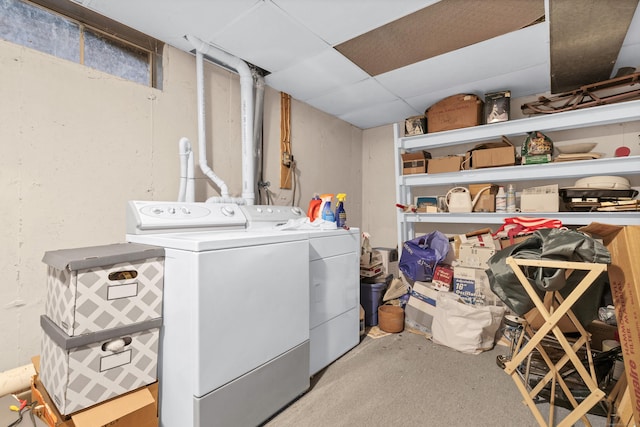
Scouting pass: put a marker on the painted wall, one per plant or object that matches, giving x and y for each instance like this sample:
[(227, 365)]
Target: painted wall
[(77, 144)]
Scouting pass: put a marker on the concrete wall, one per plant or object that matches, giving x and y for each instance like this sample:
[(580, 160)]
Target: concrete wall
[(77, 144)]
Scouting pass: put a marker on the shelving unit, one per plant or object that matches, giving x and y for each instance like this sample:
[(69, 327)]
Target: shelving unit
[(588, 117)]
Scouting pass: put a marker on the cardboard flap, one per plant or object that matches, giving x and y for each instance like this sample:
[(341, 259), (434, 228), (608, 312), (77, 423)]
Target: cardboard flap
[(606, 232), (504, 142), (112, 410)]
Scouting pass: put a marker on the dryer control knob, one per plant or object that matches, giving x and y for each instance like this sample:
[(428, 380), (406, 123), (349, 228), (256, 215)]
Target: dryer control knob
[(227, 211), (296, 210)]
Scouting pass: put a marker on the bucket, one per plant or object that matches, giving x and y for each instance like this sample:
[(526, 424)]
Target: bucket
[(370, 298), (391, 318)]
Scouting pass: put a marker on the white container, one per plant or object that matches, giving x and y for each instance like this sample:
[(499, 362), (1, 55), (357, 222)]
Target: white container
[(501, 200), (511, 199)]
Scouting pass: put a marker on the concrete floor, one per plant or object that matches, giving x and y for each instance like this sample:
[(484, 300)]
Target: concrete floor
[(405, 379)]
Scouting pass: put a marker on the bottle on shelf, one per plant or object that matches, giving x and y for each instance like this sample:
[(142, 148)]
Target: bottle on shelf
[(501, 200), (511, 199)]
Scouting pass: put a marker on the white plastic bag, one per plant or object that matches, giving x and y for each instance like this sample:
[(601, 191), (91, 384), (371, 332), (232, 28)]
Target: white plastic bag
[(464, 327)]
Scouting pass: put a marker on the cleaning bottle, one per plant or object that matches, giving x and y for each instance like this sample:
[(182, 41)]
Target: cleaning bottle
[(511, 198), (313, 211), (501, 200), (325, 210), (341, 214)]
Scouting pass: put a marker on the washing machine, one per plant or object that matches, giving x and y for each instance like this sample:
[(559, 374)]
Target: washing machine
[(234, 344), (334, 281)]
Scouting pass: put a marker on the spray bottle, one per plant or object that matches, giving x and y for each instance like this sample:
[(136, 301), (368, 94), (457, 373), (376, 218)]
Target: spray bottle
[(325, 210), (313, 211), (341, 214)]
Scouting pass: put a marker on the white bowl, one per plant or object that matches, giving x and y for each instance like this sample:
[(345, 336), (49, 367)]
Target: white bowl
[(584, 147)]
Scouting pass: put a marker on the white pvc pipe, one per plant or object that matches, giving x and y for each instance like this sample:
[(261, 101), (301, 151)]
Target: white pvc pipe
[(16, 380), (187, 190), (202, 126), (246, 112)]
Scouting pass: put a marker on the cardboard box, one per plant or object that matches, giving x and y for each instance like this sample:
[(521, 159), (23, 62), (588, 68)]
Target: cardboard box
[(472, 255), (601, 331), (491, 154), (413, 163), (481, 237), (472, 285), (135, 409), (81, 371), (508, 241), (416, 125), (455, 112), (540, 199), (623, 242), (443, 277), (444, 164), (122, 282), (389, 257), (487, 200), (421, 307)]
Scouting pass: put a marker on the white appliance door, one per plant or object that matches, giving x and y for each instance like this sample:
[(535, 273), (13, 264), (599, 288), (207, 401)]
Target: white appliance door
[(252, 304)]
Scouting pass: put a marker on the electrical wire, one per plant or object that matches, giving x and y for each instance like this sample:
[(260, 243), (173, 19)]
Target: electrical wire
[(27, 407)]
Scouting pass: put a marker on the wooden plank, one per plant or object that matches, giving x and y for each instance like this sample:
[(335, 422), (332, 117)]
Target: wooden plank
[(286, 158)]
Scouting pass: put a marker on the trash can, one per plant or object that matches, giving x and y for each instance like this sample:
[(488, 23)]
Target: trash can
[(371, 297)]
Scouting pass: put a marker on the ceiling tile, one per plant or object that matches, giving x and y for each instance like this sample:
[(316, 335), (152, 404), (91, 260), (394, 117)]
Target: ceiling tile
[(522, 49), (353, 97), (170, 20), (379, 114), (268, 38), (438, 29), (338, 20), (315, 76), (531, 81)]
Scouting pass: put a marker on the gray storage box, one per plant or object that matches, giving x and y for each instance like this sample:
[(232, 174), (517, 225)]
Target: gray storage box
[(104, 287), (81, 371)]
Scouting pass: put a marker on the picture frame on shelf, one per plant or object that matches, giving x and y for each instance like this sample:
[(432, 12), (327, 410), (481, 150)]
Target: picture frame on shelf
[(497, 106)]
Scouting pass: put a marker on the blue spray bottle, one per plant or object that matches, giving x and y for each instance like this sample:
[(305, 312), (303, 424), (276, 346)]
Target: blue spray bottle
[(341, 214), (325, 210)]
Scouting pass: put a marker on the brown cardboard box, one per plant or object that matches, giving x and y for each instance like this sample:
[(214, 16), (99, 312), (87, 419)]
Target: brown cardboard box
[(623, 242), (601, 331), (444, 164), (137, 408), (414, 162), (491, 154), (508, 241), (487, 200), (454, 112)]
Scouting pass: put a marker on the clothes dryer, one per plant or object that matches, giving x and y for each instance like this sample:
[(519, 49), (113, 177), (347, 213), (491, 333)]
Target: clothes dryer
[(334, 281), (235, 337)]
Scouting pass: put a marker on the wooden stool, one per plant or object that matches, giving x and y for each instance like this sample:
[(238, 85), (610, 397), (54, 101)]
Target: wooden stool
[(552, 308)]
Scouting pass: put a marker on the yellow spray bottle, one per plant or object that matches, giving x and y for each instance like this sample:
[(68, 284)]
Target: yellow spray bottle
[(341, 214)]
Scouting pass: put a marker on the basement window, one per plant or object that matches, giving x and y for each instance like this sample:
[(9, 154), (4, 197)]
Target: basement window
[(71, 32)]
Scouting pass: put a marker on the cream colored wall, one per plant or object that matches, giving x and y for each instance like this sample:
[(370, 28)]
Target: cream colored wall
[(77, 144), (379, 189)]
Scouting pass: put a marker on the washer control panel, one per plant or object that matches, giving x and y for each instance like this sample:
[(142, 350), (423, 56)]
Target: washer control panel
[(270, 215), (158, 217)]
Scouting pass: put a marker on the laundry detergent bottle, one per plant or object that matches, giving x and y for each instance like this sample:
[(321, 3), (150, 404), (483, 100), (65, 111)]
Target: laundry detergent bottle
[(341, 214), (325, 210), (313, 211)]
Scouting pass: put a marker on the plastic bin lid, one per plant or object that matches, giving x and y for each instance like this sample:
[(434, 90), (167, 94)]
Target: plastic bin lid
[(96, 256)]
